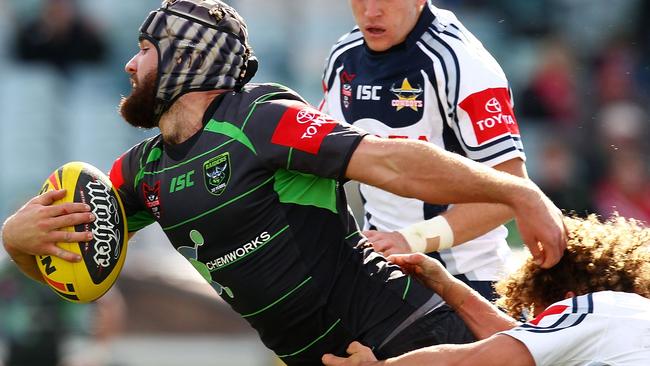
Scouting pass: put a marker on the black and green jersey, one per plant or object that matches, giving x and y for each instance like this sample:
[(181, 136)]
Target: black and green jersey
[(255, 202)]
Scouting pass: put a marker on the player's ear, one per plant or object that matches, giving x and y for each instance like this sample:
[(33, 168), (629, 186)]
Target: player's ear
[(569, 294)]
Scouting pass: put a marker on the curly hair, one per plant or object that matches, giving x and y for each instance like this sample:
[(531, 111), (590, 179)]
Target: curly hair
[(612, 255)]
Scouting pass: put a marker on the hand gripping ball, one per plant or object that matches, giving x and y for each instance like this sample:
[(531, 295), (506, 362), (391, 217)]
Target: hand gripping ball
[(103, 256)]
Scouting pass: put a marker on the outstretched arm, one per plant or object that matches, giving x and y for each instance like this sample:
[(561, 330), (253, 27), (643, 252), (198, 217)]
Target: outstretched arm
[(459, 224), (481, 317), (498, 350), (37, 226), (423, 171)]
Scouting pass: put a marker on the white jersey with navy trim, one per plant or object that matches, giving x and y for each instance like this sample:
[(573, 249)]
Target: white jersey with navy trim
[(440, 86), (601, 328)]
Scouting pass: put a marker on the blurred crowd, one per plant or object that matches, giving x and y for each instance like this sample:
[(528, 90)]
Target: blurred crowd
[(579, 69)]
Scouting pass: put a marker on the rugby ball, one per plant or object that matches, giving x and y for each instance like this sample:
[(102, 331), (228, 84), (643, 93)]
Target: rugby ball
[(103, 256)]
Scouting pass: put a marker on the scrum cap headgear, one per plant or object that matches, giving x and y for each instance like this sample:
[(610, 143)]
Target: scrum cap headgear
[(202, 45)]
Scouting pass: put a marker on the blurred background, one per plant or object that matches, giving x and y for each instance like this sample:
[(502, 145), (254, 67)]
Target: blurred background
[(580, 71)]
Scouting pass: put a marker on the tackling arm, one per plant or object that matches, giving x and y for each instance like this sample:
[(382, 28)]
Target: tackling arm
[(423, 171), (498, 350), (470, 220), (459, 224), (481, 317)]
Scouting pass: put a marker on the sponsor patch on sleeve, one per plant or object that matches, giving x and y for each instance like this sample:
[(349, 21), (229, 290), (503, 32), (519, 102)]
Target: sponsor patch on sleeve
[(304, 128), (491, 114)]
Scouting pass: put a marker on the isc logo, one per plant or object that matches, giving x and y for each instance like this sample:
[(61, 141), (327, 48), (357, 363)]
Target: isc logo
[(368, 92)]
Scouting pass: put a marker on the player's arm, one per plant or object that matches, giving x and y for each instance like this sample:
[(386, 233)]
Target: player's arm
[(459, 224), (37, 226), (423, 171), (481, 317), (470, 220), (498, 350)]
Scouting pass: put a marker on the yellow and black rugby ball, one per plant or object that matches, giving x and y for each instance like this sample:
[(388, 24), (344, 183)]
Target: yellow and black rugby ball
[(103, 256)]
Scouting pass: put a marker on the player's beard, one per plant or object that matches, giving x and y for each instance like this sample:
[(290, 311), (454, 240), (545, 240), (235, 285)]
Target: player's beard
[(138, 108)]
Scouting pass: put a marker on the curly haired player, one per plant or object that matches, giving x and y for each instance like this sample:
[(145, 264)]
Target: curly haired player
[(614, 256), (592, 308)]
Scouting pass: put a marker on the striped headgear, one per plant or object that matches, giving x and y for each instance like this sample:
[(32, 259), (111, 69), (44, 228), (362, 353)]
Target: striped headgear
[(202, 45)]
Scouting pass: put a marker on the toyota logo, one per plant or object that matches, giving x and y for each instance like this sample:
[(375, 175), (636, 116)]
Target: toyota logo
[(493, 106), (305, 116)]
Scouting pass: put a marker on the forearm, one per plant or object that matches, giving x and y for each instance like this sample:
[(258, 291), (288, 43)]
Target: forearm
[(423, 171), (471, 220), (459, 224), (499, 350), (466, 221), (436, 355), (480, 316)]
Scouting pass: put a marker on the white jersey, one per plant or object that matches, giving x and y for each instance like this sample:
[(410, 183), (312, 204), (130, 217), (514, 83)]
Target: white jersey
[(602, 328), (440, 86)]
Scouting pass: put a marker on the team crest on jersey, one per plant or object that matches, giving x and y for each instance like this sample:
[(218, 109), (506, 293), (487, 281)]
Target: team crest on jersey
[(407, 96), (152, 198), (346, 88), (216, 173)]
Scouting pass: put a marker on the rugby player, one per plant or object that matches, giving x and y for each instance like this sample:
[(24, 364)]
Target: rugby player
[(246, 181), (592, 308), (410, 70)]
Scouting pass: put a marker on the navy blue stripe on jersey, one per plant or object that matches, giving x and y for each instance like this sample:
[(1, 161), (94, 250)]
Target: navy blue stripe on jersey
[(452, 35), (450, 140), (433, 79), (495, 155), (346, 39), (435, 42), (446, 31), (492, 143), (566, 320), (445, 72), (350, 40), (556, 328), (491, 149), (457, 33)]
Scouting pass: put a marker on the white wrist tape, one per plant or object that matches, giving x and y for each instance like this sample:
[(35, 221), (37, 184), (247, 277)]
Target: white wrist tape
[(418, 235)]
